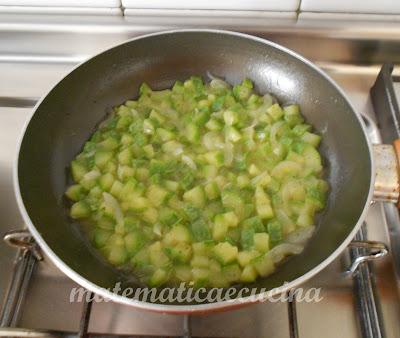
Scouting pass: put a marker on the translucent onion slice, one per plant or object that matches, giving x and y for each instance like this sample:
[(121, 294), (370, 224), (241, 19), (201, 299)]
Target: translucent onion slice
[(112, 204)]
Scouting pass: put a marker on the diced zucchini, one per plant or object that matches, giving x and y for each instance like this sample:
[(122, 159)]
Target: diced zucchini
[(195, 196), (117, 255), (219, 231), (178, 234), (232, 273), (133, 242), (312, 159), (263, 204), (275, 111), (212, 191), (125, 172), (138, 203), (286, 169), (312, 139), (261, 242), (200, 275), (245, 257), (225, 253), (231, 117), (101, 158), (243, 181), (159, 277), (192, 133), (200, 261), (249, 274), (253, 170), (106, 181), (176, 182), (201, 248), (229, 219), (183, 273), (100, 237), (78, 170), (264, 265), (275, 231), (181, 252), (75, 192), (157, 255), (214, 125), (116, 189), (156, 195), (150, 215), (215, 158), (80, 210), (165, 135), (200, 230)]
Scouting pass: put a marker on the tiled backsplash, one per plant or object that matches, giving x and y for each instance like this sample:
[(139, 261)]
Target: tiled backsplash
[(62, 3), (384, 9), (351, 6), (272, 5)]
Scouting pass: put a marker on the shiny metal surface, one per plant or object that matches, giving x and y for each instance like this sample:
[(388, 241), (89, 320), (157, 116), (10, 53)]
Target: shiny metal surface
[(387, 183), (82, 99), (372, 251), (367, 303), (47, 303)]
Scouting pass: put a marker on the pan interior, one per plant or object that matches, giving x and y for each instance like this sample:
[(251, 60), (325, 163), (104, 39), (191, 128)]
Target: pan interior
[(68, 115)]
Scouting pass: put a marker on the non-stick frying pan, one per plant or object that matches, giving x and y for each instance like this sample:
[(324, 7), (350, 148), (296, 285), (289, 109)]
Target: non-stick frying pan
[(70, 112)]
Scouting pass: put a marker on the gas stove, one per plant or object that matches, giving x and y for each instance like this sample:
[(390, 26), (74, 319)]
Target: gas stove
[(36, 52)]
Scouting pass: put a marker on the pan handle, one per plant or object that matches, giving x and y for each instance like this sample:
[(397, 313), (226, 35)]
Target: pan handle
[(387, 174)]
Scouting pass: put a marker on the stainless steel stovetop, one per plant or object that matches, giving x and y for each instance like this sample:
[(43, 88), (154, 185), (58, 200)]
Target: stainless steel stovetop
[(36, 52)]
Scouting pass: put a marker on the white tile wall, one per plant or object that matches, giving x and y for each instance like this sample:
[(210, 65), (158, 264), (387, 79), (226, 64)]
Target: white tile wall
[(352, 6), (62, 3), (272, 5), (46, 10), (348, 18)]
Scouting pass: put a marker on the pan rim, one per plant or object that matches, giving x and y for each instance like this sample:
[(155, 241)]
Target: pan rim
[(196, 308)]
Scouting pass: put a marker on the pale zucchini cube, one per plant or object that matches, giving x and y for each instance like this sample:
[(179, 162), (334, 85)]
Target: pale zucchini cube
[(159, 277), (245, 257), (249, 274), (150, 215), (264, 265), (225, 253), (157, 256), (178, 234), (261, 242), (219, 231), (200, 261), (195, 196), (229, 219), (183, 273), (212, 191), (156, 195), (200, 275), (232, 273)]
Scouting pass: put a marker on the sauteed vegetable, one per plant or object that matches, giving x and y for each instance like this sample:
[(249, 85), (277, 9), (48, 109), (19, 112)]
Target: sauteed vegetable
[(203, 183)]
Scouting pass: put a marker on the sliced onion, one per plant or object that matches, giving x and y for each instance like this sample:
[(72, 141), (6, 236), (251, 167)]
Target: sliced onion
[(287, 223), (283, 250), (301, 236), (189, 162), (112, 204), (157, 229), (275, 129)]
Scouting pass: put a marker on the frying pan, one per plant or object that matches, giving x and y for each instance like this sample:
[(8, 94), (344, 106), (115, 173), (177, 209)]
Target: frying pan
[(66, 117)]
